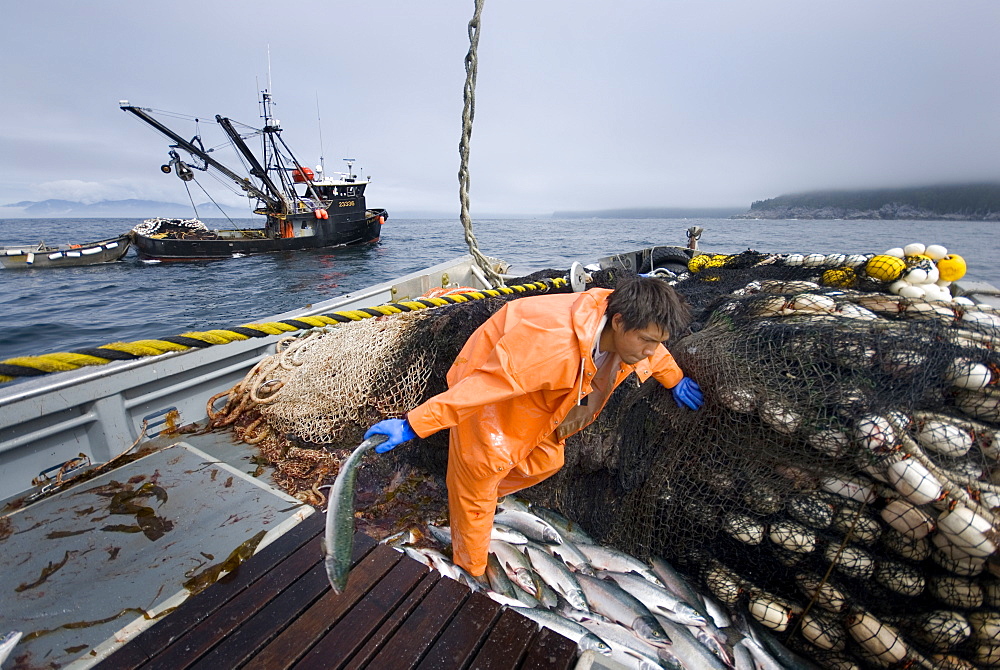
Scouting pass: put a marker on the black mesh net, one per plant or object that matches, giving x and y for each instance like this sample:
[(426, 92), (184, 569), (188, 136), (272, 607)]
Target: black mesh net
[(840, 484)]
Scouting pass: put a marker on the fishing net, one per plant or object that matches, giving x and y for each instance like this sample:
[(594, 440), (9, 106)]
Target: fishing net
[(840, 484), (160, 227)]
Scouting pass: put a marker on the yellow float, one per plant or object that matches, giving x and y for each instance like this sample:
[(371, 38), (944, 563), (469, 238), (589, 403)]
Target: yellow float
[(951, 267), (885, 268)]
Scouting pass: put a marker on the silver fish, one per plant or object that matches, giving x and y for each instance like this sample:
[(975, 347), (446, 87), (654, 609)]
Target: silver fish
[(563, 607), (443, 534), (766, 650), (584, 638), (659, 600), (570, 530), (762, 659), (515, 563), (439, 562), (742, 658), (7, 644), (547, 596), (506, 600), (557, 575), (626, 648), (408, 536), (607, 558), (715, 641), (533, 527), (464, 576), (675, 582), (512, 502), (687, 649), (338, 539), (614, 602), (506, 534), (440, 533), (717, 611), (497, 576), (417, 556), (569, 554)]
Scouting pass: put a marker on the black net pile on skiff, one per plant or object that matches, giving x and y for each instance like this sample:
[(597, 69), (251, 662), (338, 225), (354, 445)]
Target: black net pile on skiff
[(841, 482)]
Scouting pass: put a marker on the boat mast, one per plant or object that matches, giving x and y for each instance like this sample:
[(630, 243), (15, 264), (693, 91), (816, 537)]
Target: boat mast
[(195, 150), (279, 201)]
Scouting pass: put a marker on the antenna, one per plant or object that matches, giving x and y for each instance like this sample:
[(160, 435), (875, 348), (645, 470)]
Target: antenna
[(268, 66), (319, 122)]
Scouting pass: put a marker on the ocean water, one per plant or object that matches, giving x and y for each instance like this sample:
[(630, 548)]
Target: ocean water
[(45, 311)]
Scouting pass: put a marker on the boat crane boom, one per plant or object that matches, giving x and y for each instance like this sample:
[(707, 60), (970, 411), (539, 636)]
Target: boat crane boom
[(194, 150)]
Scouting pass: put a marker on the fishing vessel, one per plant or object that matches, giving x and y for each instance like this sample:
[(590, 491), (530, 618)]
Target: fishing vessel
[(302, 208), (42, 255)]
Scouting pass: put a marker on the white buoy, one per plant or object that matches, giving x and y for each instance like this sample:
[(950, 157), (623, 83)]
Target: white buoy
[(830, 441), (737, 399), (944, 438), (823, 631), (913, 249), (967, 374), (908, 519), (854, 488), (821, 592), (935, 252), (968, 531), (780, 417), (911, 291), (770, 611), (914, 482), (874, 433), (982, 319), (879, 639), (895, 251)]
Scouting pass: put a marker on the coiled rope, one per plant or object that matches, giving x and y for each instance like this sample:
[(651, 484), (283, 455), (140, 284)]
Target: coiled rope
[(32, 366), (468, 113)]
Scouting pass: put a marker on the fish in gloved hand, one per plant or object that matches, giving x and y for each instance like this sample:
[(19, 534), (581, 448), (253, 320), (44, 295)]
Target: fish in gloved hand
[(397, 431)]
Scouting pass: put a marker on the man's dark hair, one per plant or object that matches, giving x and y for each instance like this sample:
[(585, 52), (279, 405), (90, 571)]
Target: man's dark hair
[(643, 301)]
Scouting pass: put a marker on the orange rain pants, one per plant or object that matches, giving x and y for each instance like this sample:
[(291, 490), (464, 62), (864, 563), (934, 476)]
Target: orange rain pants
[(472, 502)]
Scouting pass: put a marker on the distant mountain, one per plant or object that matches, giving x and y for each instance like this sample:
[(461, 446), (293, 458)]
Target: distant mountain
[(652, 213), (957, 202), (145, 209)]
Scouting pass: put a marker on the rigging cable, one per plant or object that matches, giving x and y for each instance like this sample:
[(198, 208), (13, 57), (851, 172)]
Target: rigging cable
[(191, 197), (468, 112), (217, 205)]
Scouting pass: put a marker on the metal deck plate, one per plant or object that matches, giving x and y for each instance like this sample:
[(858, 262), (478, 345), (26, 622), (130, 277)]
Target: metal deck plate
[(86, 570)]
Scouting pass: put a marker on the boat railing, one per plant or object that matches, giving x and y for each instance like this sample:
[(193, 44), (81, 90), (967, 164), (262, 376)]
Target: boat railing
[(101, 411)]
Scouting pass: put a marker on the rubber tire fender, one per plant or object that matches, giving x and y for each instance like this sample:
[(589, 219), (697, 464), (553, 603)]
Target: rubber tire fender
[(674, 259)]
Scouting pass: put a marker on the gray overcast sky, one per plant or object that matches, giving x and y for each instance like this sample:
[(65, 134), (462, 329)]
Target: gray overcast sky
[(581, 104)]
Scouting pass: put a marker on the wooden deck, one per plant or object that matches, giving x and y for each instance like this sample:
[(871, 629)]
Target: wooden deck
[(278, 611)]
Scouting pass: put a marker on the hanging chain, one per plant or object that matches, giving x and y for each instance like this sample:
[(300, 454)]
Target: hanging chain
[(468, 112)]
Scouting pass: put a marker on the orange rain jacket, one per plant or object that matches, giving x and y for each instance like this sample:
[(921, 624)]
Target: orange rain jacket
[(513, 383)]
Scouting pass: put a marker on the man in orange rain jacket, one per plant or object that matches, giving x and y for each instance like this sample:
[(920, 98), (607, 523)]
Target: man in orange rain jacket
[(537, 371)]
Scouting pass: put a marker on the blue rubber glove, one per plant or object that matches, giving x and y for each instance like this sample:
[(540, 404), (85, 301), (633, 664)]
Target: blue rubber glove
[(687, 393), (397, 430)]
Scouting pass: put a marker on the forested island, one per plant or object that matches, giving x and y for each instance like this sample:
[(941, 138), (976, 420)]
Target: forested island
[(960, 202)]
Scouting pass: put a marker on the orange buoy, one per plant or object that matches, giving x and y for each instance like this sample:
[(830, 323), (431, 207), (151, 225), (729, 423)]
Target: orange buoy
[(381, 220), (302, 175)]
